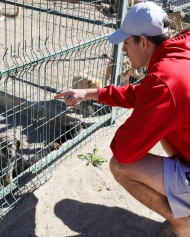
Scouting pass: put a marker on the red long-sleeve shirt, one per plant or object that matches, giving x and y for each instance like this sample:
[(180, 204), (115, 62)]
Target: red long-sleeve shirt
[(161, 104)]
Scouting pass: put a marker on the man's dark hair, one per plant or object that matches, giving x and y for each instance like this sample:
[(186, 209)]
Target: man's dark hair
[(157, 40)]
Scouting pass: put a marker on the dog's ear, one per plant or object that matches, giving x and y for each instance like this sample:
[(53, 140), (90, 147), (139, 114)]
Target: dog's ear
[(112, 9), (89, 83), (17, 145), (98, 7)]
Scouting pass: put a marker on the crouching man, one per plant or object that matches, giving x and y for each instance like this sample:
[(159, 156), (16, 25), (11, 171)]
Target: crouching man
[(160, 112)]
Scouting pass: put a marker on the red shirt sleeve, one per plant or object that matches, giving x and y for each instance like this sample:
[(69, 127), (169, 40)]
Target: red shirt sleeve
[(153, 117), (123, 96)]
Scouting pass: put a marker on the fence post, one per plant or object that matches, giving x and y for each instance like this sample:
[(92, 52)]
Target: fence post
[(117, 54)]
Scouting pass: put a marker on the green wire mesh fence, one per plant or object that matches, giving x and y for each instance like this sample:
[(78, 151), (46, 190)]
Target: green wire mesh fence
[(46, 47)]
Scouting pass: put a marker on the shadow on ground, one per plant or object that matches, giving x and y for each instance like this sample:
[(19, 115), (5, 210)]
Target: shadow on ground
[(86, 219), (92, 220), (20, 222)]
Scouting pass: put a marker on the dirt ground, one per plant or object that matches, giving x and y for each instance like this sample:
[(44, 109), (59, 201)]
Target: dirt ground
[(82, 200)]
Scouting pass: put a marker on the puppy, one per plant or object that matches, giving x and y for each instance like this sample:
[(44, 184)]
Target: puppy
[(84, 81), (107, 8), (113, 8), (9, 154), (127, 71), (178, 17), (24, 162)]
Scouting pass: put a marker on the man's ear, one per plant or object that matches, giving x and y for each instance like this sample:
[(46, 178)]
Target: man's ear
[(143, 42)]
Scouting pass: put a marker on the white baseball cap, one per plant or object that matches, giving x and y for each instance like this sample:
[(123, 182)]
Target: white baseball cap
[(144, 18)]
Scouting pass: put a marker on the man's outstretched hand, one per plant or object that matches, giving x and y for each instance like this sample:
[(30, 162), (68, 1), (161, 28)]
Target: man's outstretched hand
[(74, 96)]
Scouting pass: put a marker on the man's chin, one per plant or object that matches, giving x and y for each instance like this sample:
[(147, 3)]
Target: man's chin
[(133, 66)]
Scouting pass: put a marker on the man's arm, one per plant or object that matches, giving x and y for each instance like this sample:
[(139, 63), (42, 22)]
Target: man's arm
[(73, 96), (153, 118), (123, 96)]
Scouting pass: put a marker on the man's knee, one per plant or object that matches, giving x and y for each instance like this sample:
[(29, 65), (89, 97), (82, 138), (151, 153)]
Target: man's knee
[(120, 171)]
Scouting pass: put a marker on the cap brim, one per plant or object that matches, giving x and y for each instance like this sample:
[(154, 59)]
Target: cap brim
[(118, 36)]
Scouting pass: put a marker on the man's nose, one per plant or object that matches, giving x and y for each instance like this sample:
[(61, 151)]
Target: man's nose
[(124, 49)]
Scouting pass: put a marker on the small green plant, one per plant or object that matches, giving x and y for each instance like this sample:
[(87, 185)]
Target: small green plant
[(93, 158)]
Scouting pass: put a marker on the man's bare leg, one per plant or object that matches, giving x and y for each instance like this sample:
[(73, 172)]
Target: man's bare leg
[(144, 181)]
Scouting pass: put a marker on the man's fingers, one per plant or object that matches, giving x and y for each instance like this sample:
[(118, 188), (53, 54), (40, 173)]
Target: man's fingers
[(63, 94), (69, 98)]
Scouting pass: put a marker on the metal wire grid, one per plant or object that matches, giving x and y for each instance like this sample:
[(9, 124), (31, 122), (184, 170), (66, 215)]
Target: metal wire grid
[(40, 57), (33, 89), (37, 29), (36, 120)]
